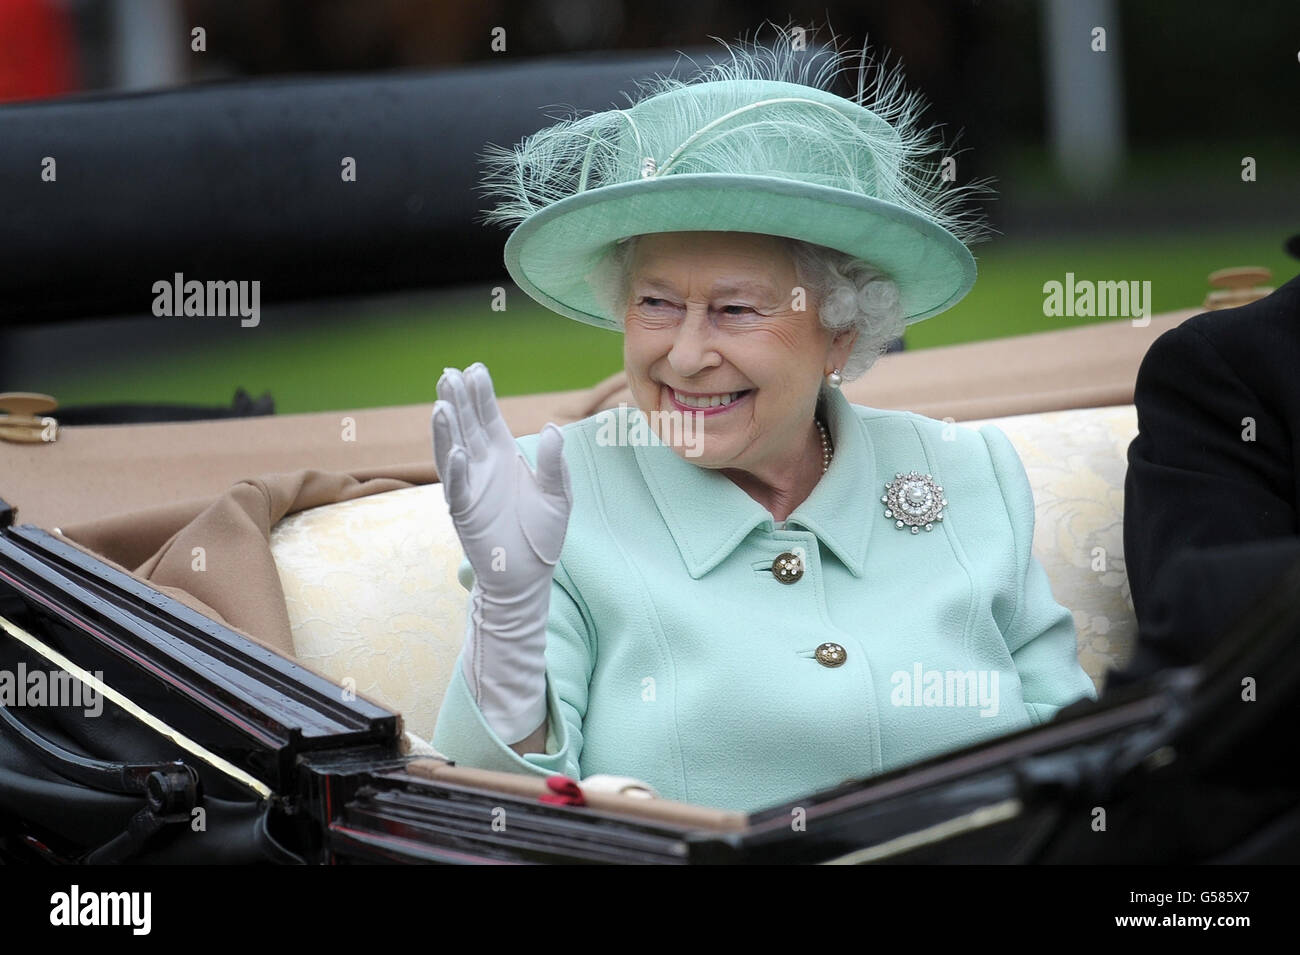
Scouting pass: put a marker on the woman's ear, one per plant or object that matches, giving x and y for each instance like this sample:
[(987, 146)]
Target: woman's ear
[(842, 346)]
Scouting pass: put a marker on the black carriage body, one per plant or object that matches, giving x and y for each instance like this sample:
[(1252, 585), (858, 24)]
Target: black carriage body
[(335, 786)]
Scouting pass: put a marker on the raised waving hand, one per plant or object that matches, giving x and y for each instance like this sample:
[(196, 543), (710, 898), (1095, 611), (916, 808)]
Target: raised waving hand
[(511, 522)]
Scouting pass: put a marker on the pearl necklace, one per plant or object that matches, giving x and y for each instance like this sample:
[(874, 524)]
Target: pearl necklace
[(826, 444)]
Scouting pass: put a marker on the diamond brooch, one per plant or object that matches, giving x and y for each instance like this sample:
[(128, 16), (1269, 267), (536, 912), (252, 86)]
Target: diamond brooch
[(914, 500)]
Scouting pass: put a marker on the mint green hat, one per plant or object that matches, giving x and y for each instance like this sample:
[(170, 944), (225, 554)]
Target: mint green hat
[(740, 148)]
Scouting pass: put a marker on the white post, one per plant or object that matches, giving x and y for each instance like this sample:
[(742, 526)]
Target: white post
[(149, 39), (1085, 108)]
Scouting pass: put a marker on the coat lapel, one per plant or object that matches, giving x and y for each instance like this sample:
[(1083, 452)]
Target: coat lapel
[(708, 516), (844, 507)]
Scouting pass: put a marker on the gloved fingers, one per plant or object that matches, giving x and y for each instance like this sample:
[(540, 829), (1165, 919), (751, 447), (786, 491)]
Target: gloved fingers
[(443, 387), (452, 388), (444, 435), (546, 521), (455, 485), (552, 470), (450, 458), (485, 404)]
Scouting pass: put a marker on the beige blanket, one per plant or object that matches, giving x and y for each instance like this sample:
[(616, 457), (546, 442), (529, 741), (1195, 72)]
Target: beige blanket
[(215, 556), (119, 471)]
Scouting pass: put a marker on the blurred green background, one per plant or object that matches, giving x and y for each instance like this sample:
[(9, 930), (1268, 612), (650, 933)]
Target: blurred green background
[(1197, 87), (391, 351)]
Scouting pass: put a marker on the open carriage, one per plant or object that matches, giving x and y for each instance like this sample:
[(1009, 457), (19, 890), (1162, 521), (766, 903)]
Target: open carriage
[(267, 615)]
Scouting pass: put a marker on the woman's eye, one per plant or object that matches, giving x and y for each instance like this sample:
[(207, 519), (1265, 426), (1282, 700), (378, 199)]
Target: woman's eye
[(653, 302), (736, 309)]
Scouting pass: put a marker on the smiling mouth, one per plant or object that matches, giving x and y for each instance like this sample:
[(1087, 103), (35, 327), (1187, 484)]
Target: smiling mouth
[(707, 402)]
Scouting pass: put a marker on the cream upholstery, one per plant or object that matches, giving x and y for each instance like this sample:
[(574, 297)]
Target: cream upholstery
[(371, 589), (373, 597), (1076, 461)]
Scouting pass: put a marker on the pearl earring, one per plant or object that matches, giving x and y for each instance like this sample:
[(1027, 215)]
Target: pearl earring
[(835, 379)]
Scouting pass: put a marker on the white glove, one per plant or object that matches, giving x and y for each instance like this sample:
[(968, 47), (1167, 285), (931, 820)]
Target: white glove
[(624, 785), (511, 524)]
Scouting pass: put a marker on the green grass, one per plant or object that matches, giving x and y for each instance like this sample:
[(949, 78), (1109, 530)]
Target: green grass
[(389, 354), (384, 355), (1008, 295), (1178, 169)]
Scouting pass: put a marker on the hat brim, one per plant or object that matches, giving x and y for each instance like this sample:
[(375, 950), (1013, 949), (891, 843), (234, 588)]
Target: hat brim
[(551, 253)]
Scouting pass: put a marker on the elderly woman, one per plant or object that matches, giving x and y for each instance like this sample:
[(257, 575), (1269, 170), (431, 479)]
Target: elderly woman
[(779, 590)]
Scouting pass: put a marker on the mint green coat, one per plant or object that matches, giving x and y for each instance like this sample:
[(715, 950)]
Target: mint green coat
[(675, 655)]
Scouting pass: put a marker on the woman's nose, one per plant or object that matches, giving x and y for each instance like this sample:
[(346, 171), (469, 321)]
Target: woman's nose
[(693, 349)]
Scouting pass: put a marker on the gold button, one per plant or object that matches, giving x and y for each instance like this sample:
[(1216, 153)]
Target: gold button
[(831, 655), (787, 568)]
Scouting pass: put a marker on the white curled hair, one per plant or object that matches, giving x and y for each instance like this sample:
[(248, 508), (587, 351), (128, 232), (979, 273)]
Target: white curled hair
[(848, 293)]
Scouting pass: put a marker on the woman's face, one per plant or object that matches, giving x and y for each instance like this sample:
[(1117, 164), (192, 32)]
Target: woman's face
[(712, 315)]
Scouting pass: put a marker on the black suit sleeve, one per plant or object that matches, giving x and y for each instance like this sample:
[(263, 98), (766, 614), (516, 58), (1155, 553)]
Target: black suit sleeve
[(1198, 595), (1210, 476)]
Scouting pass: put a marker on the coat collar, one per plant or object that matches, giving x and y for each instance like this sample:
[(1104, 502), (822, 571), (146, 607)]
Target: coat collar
[(708, 516)]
